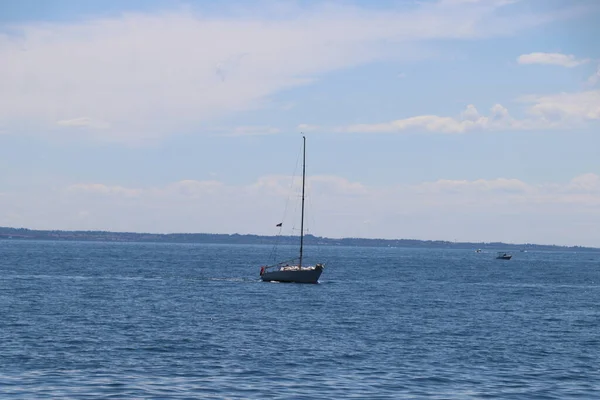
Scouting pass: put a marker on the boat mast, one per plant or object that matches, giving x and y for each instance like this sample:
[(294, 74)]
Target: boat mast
[(302, 215)]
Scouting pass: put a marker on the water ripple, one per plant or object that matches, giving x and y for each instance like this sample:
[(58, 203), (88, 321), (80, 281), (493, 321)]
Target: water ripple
[(114, 321)]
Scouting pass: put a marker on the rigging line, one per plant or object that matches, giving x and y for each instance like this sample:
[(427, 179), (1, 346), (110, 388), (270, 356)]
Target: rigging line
[(287, 201), (291, 185)]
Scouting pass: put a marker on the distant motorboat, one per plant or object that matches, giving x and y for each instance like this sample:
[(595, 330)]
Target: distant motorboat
[(503, 256), (478, 251)]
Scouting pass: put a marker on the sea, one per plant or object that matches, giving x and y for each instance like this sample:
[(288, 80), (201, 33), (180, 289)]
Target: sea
[(91, 320)]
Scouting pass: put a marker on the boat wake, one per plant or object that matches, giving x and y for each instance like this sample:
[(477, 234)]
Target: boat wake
[(240, 279)]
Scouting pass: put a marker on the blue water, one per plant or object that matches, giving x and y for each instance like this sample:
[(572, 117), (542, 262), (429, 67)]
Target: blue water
[(173, 321)]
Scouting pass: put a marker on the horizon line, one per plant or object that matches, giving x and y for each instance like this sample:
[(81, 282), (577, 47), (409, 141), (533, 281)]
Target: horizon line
[(292, 236)]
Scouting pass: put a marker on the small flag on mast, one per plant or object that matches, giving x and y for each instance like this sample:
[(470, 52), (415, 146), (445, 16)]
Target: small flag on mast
[(279, 224)]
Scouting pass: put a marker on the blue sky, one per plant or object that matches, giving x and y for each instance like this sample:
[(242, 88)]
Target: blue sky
[(453, 119)]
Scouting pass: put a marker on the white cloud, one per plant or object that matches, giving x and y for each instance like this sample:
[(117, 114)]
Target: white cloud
[(472, 2), (566, 107), (335, 185), (98, 188), (308, 128), (147, 76), (252, 131), (479, 185), (563, 60), (83, 122), (470, 120), (281, 185), (504, 209), (585, 183), (595, 78), (560, 111)]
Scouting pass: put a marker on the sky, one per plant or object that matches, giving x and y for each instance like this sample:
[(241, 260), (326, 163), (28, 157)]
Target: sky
[(466, 120)]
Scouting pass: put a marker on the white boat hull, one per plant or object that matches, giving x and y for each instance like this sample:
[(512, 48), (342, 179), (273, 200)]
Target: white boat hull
[(293, 274)]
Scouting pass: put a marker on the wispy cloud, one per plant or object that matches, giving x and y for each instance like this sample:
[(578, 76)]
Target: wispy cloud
[(251, 131), (214, 206), (147, 76), (595, 78), (566, 107), (469, 120), (101, 189), (560, 111), (83, 122), (308, 128), (563, 60)]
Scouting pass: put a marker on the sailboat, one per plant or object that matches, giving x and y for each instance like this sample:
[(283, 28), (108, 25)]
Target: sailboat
[(288, 271)]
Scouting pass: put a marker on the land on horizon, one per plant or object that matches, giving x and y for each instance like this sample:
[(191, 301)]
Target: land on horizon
[(235, 238)]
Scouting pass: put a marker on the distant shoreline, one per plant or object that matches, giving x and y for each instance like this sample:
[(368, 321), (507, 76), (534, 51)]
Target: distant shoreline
[(219, 238)]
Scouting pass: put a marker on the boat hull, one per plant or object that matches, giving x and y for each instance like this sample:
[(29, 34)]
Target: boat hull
[(305, 275)]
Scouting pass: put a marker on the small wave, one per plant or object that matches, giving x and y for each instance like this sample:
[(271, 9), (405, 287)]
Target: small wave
[(232, 279)]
